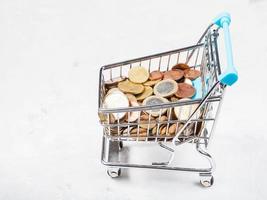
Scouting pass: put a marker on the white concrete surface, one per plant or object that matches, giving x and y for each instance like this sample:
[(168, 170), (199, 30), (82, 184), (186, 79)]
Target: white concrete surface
[(50, 54)]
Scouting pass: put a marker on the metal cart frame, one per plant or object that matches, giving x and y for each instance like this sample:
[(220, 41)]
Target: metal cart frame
[(199, 126)]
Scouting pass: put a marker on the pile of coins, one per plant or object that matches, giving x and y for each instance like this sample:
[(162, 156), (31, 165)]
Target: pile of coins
[(142, 87)]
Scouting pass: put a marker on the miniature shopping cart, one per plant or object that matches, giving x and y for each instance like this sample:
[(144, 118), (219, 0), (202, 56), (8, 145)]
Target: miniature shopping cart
[(196, 129)]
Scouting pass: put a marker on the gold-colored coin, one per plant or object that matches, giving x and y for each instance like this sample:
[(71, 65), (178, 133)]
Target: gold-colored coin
[(163, 130), (130, 87), (146, 93), (154, 130), (138, 74), (102, 117), (172, 130), (157, 128), (151, 83), (162, 118)]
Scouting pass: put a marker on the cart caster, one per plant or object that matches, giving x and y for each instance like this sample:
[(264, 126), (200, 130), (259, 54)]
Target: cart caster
[(120, 145), (114, 172), (206, 180)]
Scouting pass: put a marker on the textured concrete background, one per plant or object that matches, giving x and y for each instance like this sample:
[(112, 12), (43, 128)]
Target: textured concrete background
[(50, 54)]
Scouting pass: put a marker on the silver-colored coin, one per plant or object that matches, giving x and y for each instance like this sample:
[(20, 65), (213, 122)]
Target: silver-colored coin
[(116, 100)]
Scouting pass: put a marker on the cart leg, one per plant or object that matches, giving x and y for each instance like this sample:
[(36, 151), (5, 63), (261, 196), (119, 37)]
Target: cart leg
[(206, 179), (111, 153)]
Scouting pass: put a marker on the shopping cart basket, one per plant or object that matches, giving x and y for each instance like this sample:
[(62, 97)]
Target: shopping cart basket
[(205, 105)]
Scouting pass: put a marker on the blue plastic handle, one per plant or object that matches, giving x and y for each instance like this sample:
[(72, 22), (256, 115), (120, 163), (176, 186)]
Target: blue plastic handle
[(229, 76)]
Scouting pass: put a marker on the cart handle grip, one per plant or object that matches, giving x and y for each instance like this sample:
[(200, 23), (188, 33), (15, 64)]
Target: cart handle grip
[(229, 76)]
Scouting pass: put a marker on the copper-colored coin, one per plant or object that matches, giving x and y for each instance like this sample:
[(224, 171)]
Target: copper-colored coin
[(181, 66), (155, 75), (192, 74), (145, 119), (185, 90), (174, 74)]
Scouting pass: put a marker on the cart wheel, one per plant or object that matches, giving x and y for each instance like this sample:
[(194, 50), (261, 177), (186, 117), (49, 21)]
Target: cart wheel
[(120, 145), (207, 181), (114, 172)]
